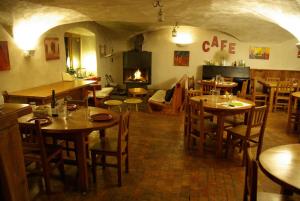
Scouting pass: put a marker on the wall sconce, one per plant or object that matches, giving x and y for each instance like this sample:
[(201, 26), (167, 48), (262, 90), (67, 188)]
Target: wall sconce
[(174, 31), (28, 53)]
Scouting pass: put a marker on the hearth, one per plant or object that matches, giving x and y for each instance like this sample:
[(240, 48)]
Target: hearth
[(137, 68)]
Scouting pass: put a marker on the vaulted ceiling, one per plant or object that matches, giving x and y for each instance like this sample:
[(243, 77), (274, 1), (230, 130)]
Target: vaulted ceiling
[(255, 20)]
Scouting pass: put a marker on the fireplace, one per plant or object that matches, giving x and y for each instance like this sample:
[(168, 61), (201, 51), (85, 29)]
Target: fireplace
[(137, 68)]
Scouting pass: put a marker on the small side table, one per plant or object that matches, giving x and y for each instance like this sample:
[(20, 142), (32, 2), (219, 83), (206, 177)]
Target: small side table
[(133, 101), (111, 103)]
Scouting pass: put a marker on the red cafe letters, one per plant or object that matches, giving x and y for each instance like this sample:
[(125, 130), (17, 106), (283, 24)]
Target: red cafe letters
[(206, 45)]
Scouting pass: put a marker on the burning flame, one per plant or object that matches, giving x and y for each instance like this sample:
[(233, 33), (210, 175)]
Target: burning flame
[(137, 75)]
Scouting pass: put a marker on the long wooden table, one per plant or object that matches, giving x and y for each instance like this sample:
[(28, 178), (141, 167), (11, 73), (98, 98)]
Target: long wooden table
[(214, 105), (76, 127), (42, 94), (282, 165)]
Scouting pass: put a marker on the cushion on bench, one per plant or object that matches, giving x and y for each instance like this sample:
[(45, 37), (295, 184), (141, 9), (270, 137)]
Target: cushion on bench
[(158, 96), (104, 92)]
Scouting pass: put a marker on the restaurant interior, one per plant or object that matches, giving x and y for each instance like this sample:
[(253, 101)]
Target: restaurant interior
[(149, 100)]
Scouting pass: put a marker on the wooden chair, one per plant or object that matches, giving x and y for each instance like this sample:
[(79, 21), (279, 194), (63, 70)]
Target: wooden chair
[(281, 97), (113, 147), (190, 83), (242, 134), (258, 97), (250, 185), (192, 93), (243, 92), (36, 150), (199, 127), (207, 86), (293, 115), (238, 119)]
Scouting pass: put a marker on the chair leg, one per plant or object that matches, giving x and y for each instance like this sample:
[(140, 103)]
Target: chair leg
[(229, 145), (61, 166), (244, 152), (46, 176), (119, 170), (103, 161), (127, 161), (93, 155)]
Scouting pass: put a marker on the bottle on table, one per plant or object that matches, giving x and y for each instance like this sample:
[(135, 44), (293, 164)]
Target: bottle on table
[(53, 105)]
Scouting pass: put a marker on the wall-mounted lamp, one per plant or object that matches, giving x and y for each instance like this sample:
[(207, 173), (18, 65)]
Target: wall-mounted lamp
[(298, 45), (28, 53), (174, 31)]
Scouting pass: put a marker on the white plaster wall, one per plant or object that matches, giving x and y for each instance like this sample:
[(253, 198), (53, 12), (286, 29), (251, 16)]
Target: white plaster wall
[(34, 71), (283, 56)]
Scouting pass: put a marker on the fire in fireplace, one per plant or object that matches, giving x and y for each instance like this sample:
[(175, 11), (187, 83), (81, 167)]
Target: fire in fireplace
[(136, 76)]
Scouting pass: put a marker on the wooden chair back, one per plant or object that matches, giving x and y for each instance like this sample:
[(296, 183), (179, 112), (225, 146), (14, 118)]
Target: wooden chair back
[(194, 92), (250, 186), (257, 119), (196, 122), (33, 139), (243, 92), (207, 87), (273, 79), (123, 134), (5, 96), (190, 83), (283, 88)]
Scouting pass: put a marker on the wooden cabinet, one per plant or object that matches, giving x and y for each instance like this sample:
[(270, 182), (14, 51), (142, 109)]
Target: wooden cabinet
[(13, 181)]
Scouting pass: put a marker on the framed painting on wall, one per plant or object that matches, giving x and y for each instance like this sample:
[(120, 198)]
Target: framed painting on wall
[(51, 48), (299, 53), (4, 57), (259, 53), (181, 58)]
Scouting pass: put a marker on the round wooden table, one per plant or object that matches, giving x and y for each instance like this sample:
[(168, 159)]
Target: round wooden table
[(282, 165), (76, 127), (221, 107), (296, 94), (223, 86), (137, 91)]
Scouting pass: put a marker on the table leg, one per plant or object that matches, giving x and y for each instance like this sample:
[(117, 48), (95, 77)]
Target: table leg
[(271, 98), (82, 162), (220, 122)]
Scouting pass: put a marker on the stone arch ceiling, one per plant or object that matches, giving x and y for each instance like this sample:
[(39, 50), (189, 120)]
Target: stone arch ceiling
[(238, 18)]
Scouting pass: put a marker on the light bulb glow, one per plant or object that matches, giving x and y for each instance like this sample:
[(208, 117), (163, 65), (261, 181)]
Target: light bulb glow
[(27, 31), (89, 62), (183, 38)]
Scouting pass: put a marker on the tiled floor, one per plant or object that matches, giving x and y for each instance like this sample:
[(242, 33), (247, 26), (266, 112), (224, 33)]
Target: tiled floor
[(161, 168)]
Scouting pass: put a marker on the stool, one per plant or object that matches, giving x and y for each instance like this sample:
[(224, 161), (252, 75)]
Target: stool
[(135, 101), (111, 103)]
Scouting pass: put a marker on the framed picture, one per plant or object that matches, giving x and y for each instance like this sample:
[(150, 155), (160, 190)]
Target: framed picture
[(51, 48), (4, 57), (259, 53), (181, 58), (299, 53)]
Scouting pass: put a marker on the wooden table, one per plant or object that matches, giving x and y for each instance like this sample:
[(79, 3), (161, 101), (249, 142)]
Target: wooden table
[(271, 86), (20, 109), (76, 127), (282, 165), (42, 94), (214, 105)]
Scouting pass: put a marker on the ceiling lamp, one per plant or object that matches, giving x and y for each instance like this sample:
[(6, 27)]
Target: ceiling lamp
[(161, 14), (174, 31)]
